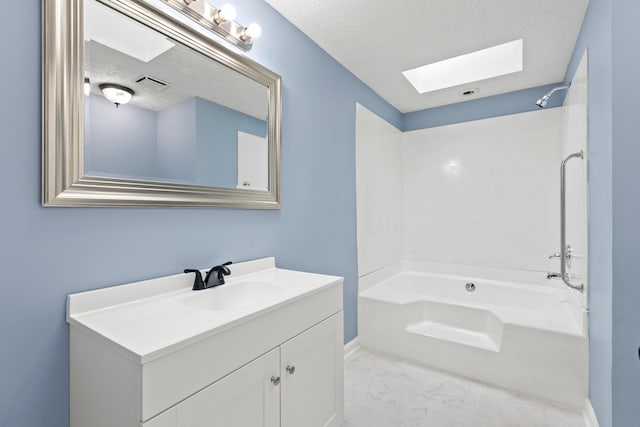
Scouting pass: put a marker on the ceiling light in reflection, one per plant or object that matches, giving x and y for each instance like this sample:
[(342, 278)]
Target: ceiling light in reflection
[(117, 94), (452, 167)]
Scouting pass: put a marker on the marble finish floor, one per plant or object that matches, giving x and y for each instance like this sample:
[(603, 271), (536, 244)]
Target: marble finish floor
[(383, 392)]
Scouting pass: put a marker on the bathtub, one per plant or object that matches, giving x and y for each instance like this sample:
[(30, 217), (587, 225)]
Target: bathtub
[(513, 330)]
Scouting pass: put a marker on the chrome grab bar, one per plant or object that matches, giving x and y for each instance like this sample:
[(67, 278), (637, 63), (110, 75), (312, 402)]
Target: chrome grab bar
[(565, 251)]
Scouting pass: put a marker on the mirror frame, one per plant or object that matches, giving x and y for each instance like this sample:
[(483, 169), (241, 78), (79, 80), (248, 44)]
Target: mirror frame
[(63, 179)]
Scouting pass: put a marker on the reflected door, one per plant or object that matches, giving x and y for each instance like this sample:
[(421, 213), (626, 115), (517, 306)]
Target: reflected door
[(253, 162)]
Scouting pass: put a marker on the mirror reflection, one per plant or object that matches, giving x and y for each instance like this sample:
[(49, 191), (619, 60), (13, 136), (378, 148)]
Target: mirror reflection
[(160, 111)]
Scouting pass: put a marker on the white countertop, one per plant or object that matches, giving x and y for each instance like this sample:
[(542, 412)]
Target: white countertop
[(146, 320)]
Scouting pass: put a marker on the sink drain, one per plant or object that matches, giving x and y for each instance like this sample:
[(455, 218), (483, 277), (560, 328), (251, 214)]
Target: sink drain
[(470, 287)]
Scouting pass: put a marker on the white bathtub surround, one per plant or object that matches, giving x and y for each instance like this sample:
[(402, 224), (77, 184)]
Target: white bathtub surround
[(263, 349), (379, 188), (575, 140), (526, 338), (384, 392), (484, 192)]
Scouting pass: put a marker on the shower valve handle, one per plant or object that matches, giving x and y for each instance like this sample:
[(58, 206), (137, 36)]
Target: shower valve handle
[(568, 254)]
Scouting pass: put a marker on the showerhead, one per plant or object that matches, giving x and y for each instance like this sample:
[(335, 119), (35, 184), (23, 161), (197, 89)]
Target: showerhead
[(542, 102)]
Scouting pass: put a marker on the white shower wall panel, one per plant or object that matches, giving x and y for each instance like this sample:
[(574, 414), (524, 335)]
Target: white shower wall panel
[(485, 192), (379, 188), (576, 135)]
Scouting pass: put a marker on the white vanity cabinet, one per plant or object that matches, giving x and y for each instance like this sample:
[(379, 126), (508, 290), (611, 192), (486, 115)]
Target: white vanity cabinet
[(312, 369), (244, 398), (297, 384), (154, 359)]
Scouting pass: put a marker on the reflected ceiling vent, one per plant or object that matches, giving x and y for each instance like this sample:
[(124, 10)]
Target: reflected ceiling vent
[(152, 83)]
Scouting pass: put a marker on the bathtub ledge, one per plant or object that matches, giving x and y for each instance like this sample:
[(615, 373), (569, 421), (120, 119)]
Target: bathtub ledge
[(476, 339)]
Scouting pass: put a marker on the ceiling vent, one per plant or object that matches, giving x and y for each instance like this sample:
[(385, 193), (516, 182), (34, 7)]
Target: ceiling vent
[(469, 91), (152, 83)]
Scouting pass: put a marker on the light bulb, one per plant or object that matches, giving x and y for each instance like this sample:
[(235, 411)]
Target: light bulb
[(87, 86), (116, 93), (226, 13), (253, 31)]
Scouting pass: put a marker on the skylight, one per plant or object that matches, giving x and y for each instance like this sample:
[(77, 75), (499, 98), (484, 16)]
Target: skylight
[(112, 29), (471, 67)]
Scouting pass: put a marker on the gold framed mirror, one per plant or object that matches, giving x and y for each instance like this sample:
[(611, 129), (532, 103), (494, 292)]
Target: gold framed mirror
[(141, 109)]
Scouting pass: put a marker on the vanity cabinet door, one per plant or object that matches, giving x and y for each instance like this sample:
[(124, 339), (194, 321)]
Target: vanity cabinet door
[(245, 398), (312, 366)]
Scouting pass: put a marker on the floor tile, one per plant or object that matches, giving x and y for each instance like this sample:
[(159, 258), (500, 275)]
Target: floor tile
[(383, 392)]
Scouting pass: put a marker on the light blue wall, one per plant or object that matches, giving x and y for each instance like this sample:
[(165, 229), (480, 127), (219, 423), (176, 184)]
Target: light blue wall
[(194, 141), (596, 36), (123, 139), (626, 213), (177, 142), (217, 142), (483, 108), (47, 253)]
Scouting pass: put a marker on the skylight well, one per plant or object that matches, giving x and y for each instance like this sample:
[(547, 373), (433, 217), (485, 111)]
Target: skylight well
[(109, 28), (471, 67)]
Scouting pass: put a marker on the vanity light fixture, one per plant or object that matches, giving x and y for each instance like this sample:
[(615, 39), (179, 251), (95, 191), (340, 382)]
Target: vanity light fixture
[(87, 86), (117, 94), (220, 20), (226, 13), (253, 31)]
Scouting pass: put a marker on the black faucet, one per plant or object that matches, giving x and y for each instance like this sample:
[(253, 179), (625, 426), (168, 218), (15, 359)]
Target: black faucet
[(198, 284), (221, 270)]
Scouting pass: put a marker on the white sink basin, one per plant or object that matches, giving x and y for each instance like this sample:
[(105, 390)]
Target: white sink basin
[(230, 296)]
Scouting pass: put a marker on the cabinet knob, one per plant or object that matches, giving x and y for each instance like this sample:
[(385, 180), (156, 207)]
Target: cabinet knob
[(291, 369), (275, 380)]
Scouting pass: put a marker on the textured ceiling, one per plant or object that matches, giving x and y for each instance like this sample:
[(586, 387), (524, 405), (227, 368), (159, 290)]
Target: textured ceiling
[(378, 39), (188, 72)]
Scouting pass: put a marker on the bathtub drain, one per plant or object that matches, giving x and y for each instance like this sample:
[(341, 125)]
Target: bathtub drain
[(470, 287)]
